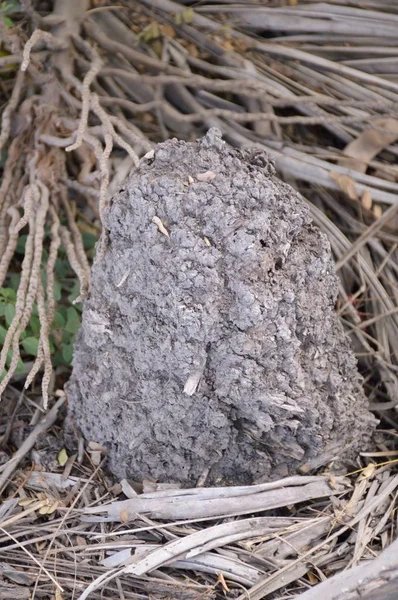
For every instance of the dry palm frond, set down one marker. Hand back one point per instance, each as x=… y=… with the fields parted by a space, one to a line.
x=150 y=542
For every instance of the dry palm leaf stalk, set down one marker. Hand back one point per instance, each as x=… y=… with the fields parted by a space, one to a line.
x=89 y=89
x=153 y=544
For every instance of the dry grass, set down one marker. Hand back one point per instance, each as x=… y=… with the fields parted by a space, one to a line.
x=99 y=88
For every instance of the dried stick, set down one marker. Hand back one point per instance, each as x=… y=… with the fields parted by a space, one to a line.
x=386 y=217
x=235 y=116
x=371 y=574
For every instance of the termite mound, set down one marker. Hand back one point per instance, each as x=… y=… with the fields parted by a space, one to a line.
x=209 y=340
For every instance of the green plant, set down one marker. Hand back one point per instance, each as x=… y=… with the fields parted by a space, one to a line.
x=67 y=316
x=8 y=8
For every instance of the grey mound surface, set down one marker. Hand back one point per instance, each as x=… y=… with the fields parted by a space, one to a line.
x=209 y=340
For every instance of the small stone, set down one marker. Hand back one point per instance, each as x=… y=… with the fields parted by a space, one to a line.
x=149 y=155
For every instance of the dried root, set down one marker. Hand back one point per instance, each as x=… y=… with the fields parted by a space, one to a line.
x=47 y=161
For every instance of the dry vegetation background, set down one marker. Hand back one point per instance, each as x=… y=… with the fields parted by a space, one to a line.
x=87 y=88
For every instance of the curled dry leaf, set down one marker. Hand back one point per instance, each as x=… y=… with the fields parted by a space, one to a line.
x=369 y=143
x=366 y=200
x=49 y=509
x=24 y=502
x=346 y=183
x=80 y=541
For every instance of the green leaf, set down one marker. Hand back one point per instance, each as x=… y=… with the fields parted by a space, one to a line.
x=20 y=249
x=10 y=7
x=57 y=291
x=64 y=312
x=21 y=368
x=57 y=359
x=9 y=313
x=74 y=292
x=61 y=268
x=3 y=158
x=8 y=22
x=67 y=353
x=89 y=241
x=59 y=321
x=14 y=280
x=34 y=325
x=8 y=294
x=30 y=345
x=73 y=320
x=3 y=333
x=67 y=337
